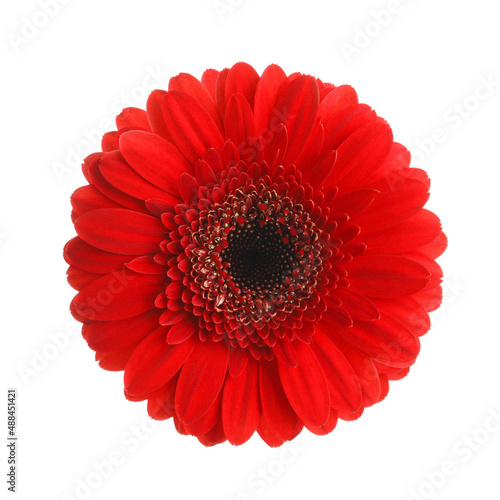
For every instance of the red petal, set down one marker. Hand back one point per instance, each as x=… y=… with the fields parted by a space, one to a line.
x=145 y=265
x=408 y=312
x=350 y=417
x=204 y=173
x=201 y=379
x=214 y=436
x=121 y=231
x=192 y=129
x=240 y=127
x=268 y=435
x=386 y=276
x=285 y=353
x=354 y=202
x=209 y=81
x=179 y=426
x=328 y=427
x=207 y=422
x=116 y=335
x=431 y=265
x=275 y=146
x=361 y=155
x=171 y=317
x=109 y=141
x=118 y=295
x=133 y=117
x=90 y=160
x=296 y=107
x=187 y=186
x=358 y=306
x=345 y=391
x=345 y=123
x=88 y=198
x=322 y=167
x=155 y=362
x=306 y=387
x=229 y=154
x=384 y=386
x=188 y=84
x=155 y=159
x=180 y=332
x=161 y=402
x=220 y=91
x=337 y=99
x=238 y=359
x=392 y=206
x=399 y=374
x=308 y=157
x=155 y=114
x=213 y=159
x=242 y=79
x=384 y=340
x=111 y=192
x=436 y=247
x=241 y=404
x=276 y=408
x=363 y=366
x=78 y=278
x=416 y=231
x=118 y=173
x=266 y=94
x=92 y=259
x=114 y=361
x=430 y=300
x=399 y=158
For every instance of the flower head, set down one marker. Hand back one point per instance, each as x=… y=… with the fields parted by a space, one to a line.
x=253 y=251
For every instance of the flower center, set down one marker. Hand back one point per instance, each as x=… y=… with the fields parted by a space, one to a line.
x=255 y=256
x=258 y=256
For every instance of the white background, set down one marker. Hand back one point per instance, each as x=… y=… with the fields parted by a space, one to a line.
x=420 y=67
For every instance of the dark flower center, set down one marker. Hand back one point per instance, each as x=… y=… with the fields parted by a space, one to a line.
x=259 y=257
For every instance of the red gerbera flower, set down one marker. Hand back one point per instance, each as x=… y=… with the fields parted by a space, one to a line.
x=254 y=253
